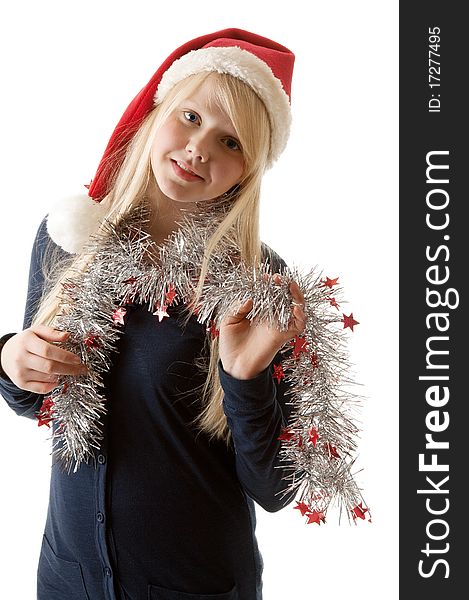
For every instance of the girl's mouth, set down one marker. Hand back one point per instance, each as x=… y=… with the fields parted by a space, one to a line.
x=183 y=174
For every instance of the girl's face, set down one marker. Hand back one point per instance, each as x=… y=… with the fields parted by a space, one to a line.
x=195 y=154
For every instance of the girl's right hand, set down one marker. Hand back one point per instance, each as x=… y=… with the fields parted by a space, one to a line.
x=34 y=363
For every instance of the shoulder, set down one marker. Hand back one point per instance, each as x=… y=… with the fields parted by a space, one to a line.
x=45 y=250
x=72 y=220
x=276 y=262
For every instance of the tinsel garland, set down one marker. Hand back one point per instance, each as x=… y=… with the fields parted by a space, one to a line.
x=129 y=268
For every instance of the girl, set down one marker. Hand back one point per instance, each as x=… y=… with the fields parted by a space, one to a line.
x=165 y=511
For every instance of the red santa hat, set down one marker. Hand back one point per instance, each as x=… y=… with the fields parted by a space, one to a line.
x=261 y=63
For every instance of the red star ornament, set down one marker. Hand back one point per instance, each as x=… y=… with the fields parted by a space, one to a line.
x=313 y=435
x=44 y=415
x=332 y=450
x=299 y=346
x=359 y=511
x=279 y=373
x=349 y=321
x=302 y=507
x=315 y=360
x=170 y=294
x=47 y=405
x=92 y=341
x=161 y=312
x=316 y=517
x=329 y=282
x=286 y=434
x=43 y=420
x=333 y=302
x=118 y=315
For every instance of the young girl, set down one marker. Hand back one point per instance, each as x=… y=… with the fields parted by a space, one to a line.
x=165 y=508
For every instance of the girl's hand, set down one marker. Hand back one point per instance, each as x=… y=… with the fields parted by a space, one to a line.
x=34 y=363
x=247 y=350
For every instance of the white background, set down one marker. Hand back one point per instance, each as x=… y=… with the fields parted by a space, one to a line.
x=68 y=73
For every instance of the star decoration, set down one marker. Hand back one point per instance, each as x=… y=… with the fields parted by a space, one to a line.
x=170 y=294
x=316 y=517
x=299 y=345
x=161 y=312
x=333 y=302
x=44 y=416
x=118 y=315
x=302 y=507
x=43 y=420
x=330 y=282
x=359 y=511
x=92 y=341
x=332 y=450
x=286 y=434
x=313 y=435
x=212 y=329
x=279 y=373
x=349 y=321
x=315 y=360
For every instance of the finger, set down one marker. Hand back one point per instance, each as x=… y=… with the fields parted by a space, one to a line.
x=240 y=314
x=298 y=320
x=39 y=387
x=297 y=294
x=39 y=347
x=52 y=367
x=276 y=277
x=49 y=334
x=37 y=376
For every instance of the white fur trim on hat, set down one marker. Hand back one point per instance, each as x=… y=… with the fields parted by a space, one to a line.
x=245 y=66
x=72 y=220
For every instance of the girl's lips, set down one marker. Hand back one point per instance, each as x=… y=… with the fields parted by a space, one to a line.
x=184 y=174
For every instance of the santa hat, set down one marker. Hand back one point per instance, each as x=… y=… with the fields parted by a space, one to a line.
x=261 y=63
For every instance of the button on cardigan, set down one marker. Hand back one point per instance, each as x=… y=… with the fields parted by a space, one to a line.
x=163 y=512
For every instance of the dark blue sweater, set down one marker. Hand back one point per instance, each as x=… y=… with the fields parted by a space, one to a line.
x=163 y=513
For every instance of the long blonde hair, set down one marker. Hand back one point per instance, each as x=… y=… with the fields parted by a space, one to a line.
x=129 y=183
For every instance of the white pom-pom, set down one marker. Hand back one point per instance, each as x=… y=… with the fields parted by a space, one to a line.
x=72 y=220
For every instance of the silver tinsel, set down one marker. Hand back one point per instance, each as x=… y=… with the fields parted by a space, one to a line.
x=317 y=447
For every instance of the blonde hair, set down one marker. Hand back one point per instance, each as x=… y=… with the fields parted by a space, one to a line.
x=129 y=183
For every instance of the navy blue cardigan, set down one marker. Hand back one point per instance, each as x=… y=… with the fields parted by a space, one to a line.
x=163 y=513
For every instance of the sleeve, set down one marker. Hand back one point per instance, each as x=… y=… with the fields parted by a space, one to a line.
x=256 y=410
x=22 y=402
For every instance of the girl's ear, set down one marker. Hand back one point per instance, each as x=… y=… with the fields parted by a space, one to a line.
x=72 y=220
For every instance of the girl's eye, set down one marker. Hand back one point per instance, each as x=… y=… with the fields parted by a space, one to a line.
x=232 y=144
x=190 y=116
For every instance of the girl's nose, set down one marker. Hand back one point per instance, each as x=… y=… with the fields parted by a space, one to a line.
x=198 y=147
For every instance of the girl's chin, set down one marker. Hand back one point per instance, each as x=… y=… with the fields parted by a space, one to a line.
x=183 y=198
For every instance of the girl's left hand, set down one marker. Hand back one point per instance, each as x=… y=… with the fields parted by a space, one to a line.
x=247 y=350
